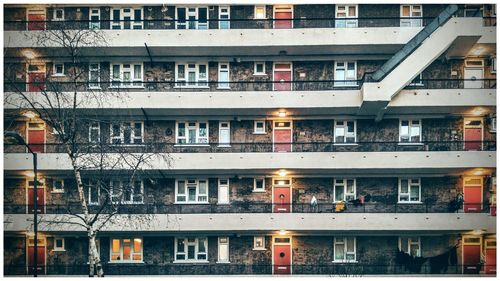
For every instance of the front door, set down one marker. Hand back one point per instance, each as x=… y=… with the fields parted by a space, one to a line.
x=473 y=78
x=40 y=256
x=473 y=134
x=471 y=254
x=223 y=193
x=473 y=194
x=36 y=136
x=36 y=77
x=40 y=198
x=283 y=16
x=282 y=197
x=282 y=255
x=490 y=256
x=282 y=136
x=36 y=19
x=282 y=77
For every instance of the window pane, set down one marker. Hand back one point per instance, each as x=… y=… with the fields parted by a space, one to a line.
x=339 y=193
x=181 y=71
x=137 y=72
x=192 y=194
x=181 y=187
x=190 y=253
x=339 y=251
x=414 y=195
x=203 y=187
x=137 y=245
x=404 y=186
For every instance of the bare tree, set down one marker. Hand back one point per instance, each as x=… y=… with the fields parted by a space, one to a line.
x=69 y=106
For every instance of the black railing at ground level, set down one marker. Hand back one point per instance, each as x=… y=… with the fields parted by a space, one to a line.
x=212 y=268
x=354 y=206
x=453 y=84
x=236 y=147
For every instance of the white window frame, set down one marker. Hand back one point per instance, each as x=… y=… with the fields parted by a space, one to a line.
x=132 y=253
x=223 y=67
x=93 y=184
x=191 y=183
x=347 y=21
x=412 y=241
x=263 y=7
x=228 y=128
x=97 y=128
x=98 y=69
x=94 y=24
x=185 y=250
x=57 y=190
x=54 y=69
x=199 y=140
x=261 y=73
x=119 y=82
x=343 y=241
x=412 y=182
x=419 y=79
x=410 y=21
x=347 y=81
x=493 y=65
x=343 y=184
x=221 y=242
x=196 y=14
x=346 y=133
x=259 y=248
x=257 y=132
x=121 y=136
x=256 y=188
x=199 y=82
x=493 y=125
x=410 y=126
x=59 y=249
x=129 y=201
x=121 y=23
x=228 y=14
x=54 y=14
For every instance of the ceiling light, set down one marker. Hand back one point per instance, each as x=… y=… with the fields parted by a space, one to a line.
x=282 y=173
x=30 y=114
x=282 y=114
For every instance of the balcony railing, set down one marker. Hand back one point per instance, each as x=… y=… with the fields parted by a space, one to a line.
x=169 y=268
x=235 y=147
x=453 y=84
x=256 y=207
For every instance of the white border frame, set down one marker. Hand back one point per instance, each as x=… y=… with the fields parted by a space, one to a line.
x=284 y=128
x=409 y=179
x=273 y=243
x=283 y=70
x=121 y=249
x=482 y=129
x=285 y=9
x=290 y=204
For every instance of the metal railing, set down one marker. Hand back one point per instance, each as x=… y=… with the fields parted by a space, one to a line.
x=453 y=84
x=235 y=147
x=236 y=207
x=212 y=268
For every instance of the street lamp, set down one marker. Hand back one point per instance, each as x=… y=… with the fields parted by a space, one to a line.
x=16 y=138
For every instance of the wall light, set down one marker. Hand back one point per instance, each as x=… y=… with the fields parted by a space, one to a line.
x=282 y=173
x=478 y=111
x=29 y=174
x=282 y=114
x=478 y=172
x=477 y=232
x=30 y=114
x=29 y=54
x=283 y=232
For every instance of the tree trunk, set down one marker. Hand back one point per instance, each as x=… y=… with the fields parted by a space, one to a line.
x=94 y=257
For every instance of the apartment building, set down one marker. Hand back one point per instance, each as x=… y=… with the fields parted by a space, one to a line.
x=303 y=139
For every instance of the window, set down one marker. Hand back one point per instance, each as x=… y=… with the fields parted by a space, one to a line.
x=346 y=16
x=58 y=14
x=409 y=131
x=191 y=75
x=127 y=193
x=493 y=127
x=126 y=75
x=94 y=192
x=417 y=81
x=344 y=131
x=58 y=69
x=126 y=250
x=344 y=249
x=57 y=186
x=259 y=68
x=493 y=65
x=224 y=134
x=191 y=249
x=223 y=76
x=95 y=18
x=259 y=242
x=345 y=74
x=259 y=127
x=192 y=133
x=223 y=250
x=409 y=190
x=411 y=16
x=58 y=244
x=259 y=185
x=127 y=133
x=94 y=76
x=126 y=18
x=344 y=190
x=260 y=12
x=191 y=191
x=95 y=132
x=192 y=18
x=410 y=245
x=224 y=22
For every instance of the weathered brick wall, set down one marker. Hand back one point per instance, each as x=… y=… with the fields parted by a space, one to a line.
x=319 y=15
x=378 y=15
x=14 y=14
x=14 y=253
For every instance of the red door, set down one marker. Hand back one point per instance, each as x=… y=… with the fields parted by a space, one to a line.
x=283 y=20
x=472 y=198
x=40 y=256
x=36 y=21
x=40 y=200
x=471 y=258
x=472 y=138
x=282 y=77
x=36 y=140
x=490 y=257
x=282 y=199
x=282 y=259
x=282 y=140
x=36 y=82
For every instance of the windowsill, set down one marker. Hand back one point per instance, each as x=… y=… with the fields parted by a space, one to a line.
x=58 y=75
x=191 y=87
x=410 y=143
x=223 y=88
x=57 y=191
x=259 y=249
x=126 y=87
x=191 y=203
x=406 y=202
x=59 y=250
x=259 y=133
x=223 y=145
x=223 y=262
x=189 y=261
x=191 y=144
x=127 y=144
x=258 y=191
x=344 y=261
x=260 y=74
x=349 y=85
x=224 y=204
x=493 y=132
x=120 y=262
x=94 y=88
x=132 y=203
x=346 y=144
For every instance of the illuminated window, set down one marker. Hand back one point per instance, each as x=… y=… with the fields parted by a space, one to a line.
x=126 y=250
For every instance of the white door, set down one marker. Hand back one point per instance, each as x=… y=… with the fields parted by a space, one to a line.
x=223 y=197
x=223 y=249
x=224 y=134
x=473 y=78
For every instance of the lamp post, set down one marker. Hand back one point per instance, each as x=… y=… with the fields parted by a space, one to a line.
x=18 y=139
